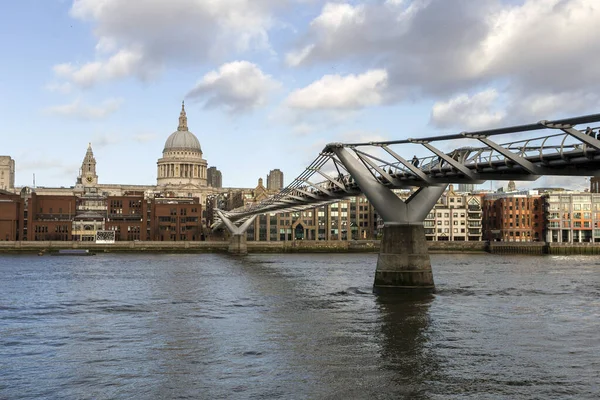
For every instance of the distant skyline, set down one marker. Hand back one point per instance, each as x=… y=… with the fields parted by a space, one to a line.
x=267 y=83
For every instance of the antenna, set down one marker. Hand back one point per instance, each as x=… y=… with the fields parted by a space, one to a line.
x=34 y=180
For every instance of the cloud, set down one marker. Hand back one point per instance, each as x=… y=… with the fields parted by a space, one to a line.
x=446 y=47
x=468 y=112
x=237 y=86
x=489 y=108
x=348 y=92
x=64 y=88
x=119 y=65
x=140 y=38
x=42 y=166
x=77 y=109
x=104 y=139
x=537 y=106
x=145 y=137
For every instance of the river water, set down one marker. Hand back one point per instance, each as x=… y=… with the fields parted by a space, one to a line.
x=212 y=326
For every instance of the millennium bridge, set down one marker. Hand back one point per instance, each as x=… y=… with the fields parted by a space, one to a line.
x=521 y=153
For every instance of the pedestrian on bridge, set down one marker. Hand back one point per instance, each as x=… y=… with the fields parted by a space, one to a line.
x=415 y=161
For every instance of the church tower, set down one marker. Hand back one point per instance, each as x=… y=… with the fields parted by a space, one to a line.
x=88 y=169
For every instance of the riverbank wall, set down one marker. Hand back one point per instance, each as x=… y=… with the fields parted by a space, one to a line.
x=539 y=248
x=298 y=246
x=301 y=246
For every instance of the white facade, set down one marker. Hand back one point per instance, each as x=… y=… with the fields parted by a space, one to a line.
x=456 y=217
x=573 y=217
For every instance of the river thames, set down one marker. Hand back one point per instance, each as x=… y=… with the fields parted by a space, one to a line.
x=281 y=326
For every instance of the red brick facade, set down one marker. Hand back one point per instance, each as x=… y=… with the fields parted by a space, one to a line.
x=131 y=217
x=513 y=219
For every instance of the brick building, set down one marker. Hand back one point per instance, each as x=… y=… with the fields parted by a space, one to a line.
x=176 y=219
x=11 y=216
x=129 y=217
x=514 y=217
x=134 y=216
x=49 y=217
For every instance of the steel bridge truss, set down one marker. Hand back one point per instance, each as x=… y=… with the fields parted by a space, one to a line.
x=522 y=153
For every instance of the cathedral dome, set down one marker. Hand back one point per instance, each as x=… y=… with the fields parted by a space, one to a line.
x=182 y=138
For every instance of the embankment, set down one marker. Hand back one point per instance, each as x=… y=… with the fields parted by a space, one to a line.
x=298 y=246
x=301 y=246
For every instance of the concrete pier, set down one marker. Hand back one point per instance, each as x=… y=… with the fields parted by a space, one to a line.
x=403 y=264
x=238 y=245
x=237 y=242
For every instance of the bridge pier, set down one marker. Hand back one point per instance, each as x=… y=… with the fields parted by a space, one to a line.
x=403 y=264
x=237 y=242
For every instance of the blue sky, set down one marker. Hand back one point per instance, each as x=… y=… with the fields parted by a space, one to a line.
x=268 y=83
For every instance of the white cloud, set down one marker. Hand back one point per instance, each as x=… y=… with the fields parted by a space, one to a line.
x=104 y=139
x=140 y=38
x=145 y=137
x=446 y=47
x=348 y=92
x=537 y=106
x=488 y=108
x=64 y=88
x=77 y=109
x=237 y=86
x=295 y=58
x=468 y=112
x=119 y=65
x=38 y=163
x=336 y=15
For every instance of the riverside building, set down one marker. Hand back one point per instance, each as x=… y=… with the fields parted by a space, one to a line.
x=455 y=217
x=573 y=217
x=513 y=216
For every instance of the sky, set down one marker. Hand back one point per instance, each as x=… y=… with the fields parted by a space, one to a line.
x=267 y=83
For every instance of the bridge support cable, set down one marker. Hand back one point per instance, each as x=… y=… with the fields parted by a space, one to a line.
x=237 y=242
x=446 y=158
x=525 y=164
x=409 y=165
x=403 y=263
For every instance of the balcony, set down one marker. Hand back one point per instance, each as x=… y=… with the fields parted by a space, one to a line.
x=54 y=217
x=474 y=215
x=81 y=232
x=124 y=217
